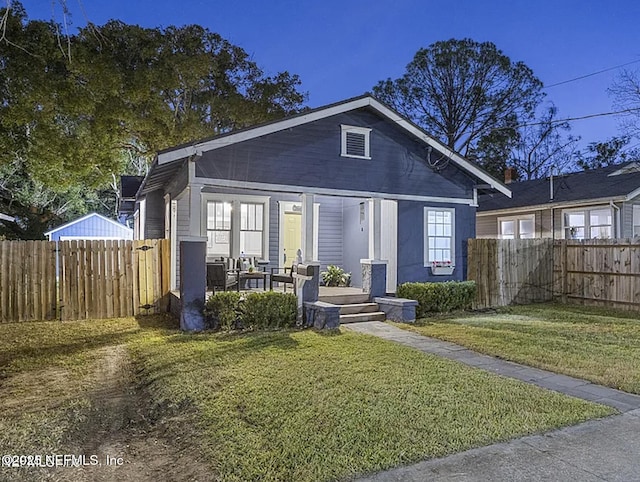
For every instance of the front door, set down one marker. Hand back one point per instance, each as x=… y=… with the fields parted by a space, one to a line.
x=292 y=241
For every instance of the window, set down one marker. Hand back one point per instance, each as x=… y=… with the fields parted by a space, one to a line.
x=636 y=220
x=251 y=215
x=236 y=224
x=588 y=224
x=439 y=235
x=355 y=142
x=218 y=229
x=517 y=227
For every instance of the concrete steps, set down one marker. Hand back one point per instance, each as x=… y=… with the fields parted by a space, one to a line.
x=345 y=299
x=355 y=307
x=358 y=317
x=352 y=308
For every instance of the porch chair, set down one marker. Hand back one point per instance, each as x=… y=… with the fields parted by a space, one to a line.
x=219 y=277
x=280 y=275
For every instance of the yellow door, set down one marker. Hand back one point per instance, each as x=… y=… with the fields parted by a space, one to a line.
x=292 y=237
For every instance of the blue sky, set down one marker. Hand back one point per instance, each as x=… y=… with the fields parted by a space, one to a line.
x=341 y=48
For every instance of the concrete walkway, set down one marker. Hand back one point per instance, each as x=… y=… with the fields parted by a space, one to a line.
x=598 y=450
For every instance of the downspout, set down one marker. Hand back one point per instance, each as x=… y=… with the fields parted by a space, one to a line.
x=617 y=219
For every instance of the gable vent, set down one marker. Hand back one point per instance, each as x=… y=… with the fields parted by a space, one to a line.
x=355 y=142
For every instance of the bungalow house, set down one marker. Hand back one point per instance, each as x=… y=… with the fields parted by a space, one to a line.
x=343 y=184
x=594 y=204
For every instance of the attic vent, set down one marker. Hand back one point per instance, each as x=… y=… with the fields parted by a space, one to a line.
x=355 y=142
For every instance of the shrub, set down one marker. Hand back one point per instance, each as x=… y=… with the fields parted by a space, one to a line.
x=439 y=297
x=221 y=309
x=269 y=310
x=335 y=276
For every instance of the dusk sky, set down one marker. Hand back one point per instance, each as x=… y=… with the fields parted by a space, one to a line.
x=342 y=48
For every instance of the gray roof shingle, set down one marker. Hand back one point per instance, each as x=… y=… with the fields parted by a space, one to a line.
x=576 y=186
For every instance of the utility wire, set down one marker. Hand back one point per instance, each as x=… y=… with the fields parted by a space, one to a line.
x=591 y=74
x=571 y=119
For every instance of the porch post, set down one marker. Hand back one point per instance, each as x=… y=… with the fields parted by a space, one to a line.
x=193 y=283
x=195 y=210
x=374 y=270
x=308 y=254
x=375 y=228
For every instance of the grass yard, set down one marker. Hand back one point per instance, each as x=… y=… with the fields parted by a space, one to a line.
x=602 y=346
x=289 y=405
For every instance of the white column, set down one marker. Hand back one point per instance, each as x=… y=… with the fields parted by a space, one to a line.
x=308 y=254
x=235 y=229
x=375 y=228
x=195 y=210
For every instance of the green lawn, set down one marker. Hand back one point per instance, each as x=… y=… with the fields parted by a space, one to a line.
x=289 y=405
x=599 y=345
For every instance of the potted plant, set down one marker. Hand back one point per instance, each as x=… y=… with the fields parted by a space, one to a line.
x=335 y=276
x=440 y=268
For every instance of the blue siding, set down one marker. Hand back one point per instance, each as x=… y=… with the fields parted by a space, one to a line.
x=411 y=241
x=94 y=226
x=309 y=155
x=330 y=232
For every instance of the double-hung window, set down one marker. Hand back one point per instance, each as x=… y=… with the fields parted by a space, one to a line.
x=439 y=236
x=236 y=225
x=251 y=225
x=521 y=227
x=218 y=229
x=636 y=220
x=588 y=223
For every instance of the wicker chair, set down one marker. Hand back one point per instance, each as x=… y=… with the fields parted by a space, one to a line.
x=219 y=277
x=281 y=276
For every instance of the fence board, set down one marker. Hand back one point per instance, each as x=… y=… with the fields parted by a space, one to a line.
x=69 y=280
x=591 y=272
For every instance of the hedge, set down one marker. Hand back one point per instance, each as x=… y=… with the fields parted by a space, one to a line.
x=439 y=297
x=229 y=310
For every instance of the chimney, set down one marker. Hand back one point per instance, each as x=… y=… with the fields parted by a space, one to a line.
x=510 y=175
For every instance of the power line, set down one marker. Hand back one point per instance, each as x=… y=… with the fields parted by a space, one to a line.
x=591 y=74
x=588 y=116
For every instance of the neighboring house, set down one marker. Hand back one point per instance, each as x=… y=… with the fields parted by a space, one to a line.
x=595 y=204
x=129 y=186
x=93 y=226
x=343 y=183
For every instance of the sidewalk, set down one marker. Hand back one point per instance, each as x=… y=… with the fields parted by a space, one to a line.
x=598 y=450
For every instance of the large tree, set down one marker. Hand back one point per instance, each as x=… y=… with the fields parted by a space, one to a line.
x=75 y=110
x=542 y=145
x=607 y=153
x=626 y=97
x=468 y=94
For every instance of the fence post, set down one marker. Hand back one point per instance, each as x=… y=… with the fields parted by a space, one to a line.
x=563 y=270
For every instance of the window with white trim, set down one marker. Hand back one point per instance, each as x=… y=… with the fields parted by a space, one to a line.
x=439 y=235
x=355 y=142
x=519 y=227
x=636 y=220
x=218 y=229
x=236 y=224
x=588 y=223
x=251 y=225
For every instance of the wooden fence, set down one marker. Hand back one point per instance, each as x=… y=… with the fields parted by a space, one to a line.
x=74 y=280
x=591 y=272
x=599 y=272
x=27 y=280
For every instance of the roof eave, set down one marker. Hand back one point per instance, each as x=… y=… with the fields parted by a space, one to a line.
x=197 y=148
